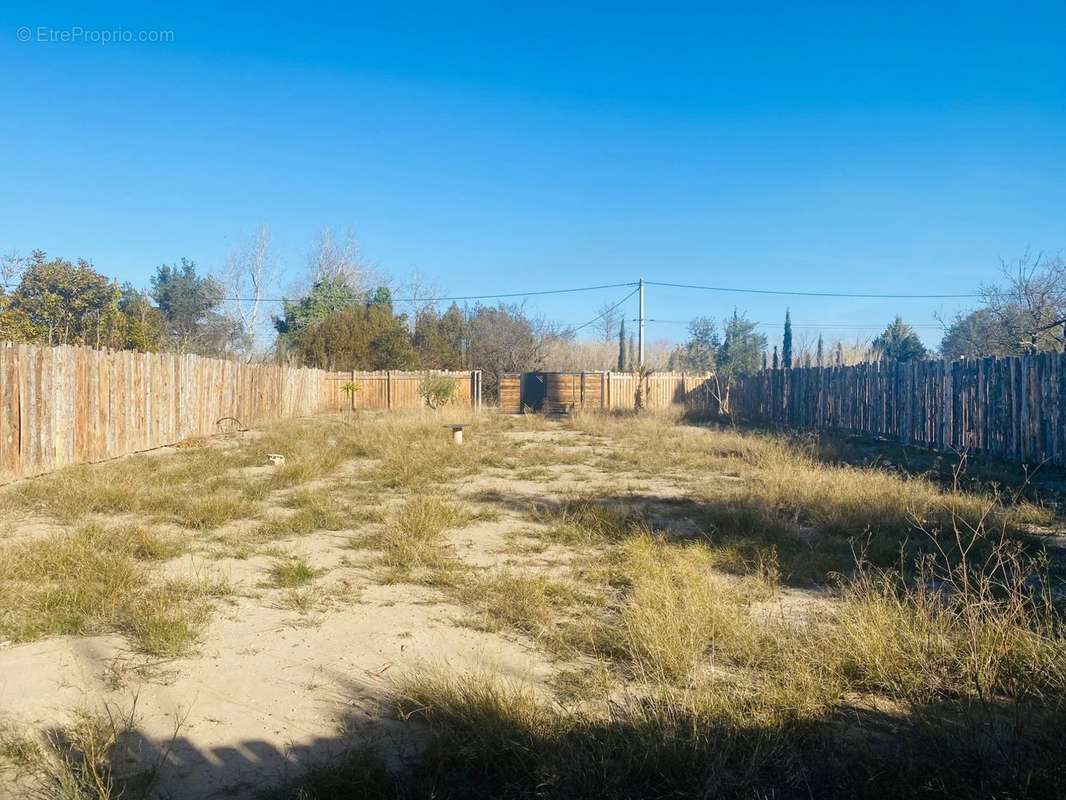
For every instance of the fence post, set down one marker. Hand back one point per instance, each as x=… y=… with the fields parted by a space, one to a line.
x=388 y=389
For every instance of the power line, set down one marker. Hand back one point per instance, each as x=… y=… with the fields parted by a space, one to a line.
x=541 y=292
x=440 y=299
x=871 y=295
x=828 y=325
x=605 y=313
x=461 y=297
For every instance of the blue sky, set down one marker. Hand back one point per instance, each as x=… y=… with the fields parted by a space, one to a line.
x=902 y=148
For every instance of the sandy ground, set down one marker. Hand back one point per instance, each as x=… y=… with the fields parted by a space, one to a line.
x=271 y=689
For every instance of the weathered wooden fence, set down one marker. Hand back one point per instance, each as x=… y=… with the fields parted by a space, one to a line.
x=1011 y=408
x=392 y=390
x=563 y=391
x=71 y=405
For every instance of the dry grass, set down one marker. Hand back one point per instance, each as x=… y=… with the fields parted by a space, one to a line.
x=678 y=616
x=527 y=603
x=413 y=538
x=75 y=762
x=97 y=580
x=292 y=573
x=692 y=695
x=933 y=666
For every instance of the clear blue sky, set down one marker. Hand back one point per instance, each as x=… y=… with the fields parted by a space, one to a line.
x=508 y=146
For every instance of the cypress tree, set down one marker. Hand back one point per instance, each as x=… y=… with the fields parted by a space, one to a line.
x=764 y=359
x=820 y=354
x=622 y=346
x=631 y=354
x=786 y=344
x=775 y=356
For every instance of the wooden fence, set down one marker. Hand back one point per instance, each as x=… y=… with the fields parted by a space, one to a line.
x=397 y=390
x=72 y=405
x=563 y=391
x=1008 y=407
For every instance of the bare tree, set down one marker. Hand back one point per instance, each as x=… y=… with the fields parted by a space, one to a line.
x=249 y=271
x=1030 y=307
x=11 y=267
x=609 y=319
x=803 y=348
x=503 y=338
x=333 y=257
x=422 y=292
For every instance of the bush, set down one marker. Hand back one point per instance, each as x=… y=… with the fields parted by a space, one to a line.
x=438 y=390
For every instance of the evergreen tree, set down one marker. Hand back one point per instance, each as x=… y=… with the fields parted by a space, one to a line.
x=701 y=349
x=820 y=353
x=775 y=357
x=631 y=354
x=786 y=344
x=764 y=359
x=741 y=345
x=622 y=346
x=899 y=342
x=439 y=338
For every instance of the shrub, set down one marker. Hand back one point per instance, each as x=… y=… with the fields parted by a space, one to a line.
x=438 y=390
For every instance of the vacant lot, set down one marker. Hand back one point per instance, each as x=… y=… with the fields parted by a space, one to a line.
x=603 y=607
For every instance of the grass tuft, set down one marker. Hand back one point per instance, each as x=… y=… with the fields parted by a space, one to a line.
x=292 y=573
x=95 y=580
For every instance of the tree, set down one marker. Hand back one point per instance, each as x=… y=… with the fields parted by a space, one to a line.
x=11 y=266
x=191 y=307
x=15 y=324
x=65 y=303
x=365 y=337
x=975 y=335
x=741 y=349
x=59 y=302
x=775 y=364
x=631 y=354
x=144 y=326
x=608 y=322
x=249 y=270
x=438 y=339
x=899 y=342
x=622 y=346
x=1029 y=309
x=326 y=296
x=786 y=343
x=503 y=338
x=331 y=258
x=700 y=352
x=819 y=355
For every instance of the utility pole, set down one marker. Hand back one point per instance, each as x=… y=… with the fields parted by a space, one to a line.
x=640 y=335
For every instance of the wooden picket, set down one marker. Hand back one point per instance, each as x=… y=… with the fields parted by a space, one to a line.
x=394 y=390
x=71 y=405
x=1010 y=408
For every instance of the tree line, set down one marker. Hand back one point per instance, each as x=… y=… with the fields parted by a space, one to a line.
x=342 y=316
x=1023 y=313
